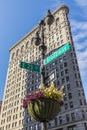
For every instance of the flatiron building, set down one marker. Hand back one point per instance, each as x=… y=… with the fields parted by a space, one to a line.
x=63 y=71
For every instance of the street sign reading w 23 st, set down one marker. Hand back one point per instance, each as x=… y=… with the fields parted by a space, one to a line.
x=29 y=66
x=57 y=53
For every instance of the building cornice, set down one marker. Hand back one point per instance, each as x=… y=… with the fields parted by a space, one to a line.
x=29 y=33
x=35 y=28
x=61 y=7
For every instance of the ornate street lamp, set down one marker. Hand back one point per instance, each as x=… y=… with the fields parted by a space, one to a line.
x=39 y=40
x=43 y=104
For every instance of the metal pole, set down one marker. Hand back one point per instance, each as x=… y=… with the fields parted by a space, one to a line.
x=43 y=126
x=42 y=49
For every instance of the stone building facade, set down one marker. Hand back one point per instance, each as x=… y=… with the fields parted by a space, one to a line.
x=63 y=71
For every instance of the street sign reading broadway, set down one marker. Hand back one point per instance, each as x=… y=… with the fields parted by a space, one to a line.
x=30 y=66
x=57 y=53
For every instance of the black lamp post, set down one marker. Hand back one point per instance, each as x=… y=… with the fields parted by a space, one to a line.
x=39 y=41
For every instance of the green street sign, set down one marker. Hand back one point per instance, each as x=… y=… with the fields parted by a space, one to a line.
x=57 y=53
x=29 y=66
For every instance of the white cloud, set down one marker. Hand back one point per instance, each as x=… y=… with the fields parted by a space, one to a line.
x=80 y=25
x=82 y=59
x=80 y=35
x=81 y=2
x=80 y=45
x=79 y=31
x=83 y=7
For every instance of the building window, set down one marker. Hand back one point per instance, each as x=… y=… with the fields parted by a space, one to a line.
x=60 y=36
x=57 y=38
x=49 y=124
x=17 y=53
x=68 y=38
x=65 y=64
x=79 y=93
x=83 y=114
x=61 y=66
x=57 y=21
x=64 y=58
x=67 y=118
x=57 y=74
x=60 y=30
x=22 y=48
x=84 y=101
x=56 y=121
x=27 y=120
x=12 y=124
x=71 y=104
x=30 y=127
x=36 y=126
x=66 y=71
x=67 y=79
x=19 y=122
x=68 y=87
x=58 y=43
x=66 y=106
x=27 y=44
x=13 y=55
x=80 y=102
x=72 y=128
x=60 y=120
x=73 y=116
x=61 y=41
x=85 y=124
x=62 y=73
x=70 y=95
x=76 y=76
x=77 y=84
x=63 y=80
x=74 y=67
x=65 y=98
x=58 y=83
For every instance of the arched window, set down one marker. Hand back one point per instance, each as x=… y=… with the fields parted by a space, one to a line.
x=27 y=44
x=13 y=55
x=57 y=21
x=17 y=53
x=22 y=48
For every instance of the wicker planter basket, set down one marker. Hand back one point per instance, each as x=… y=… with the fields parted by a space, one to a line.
x=43 y=109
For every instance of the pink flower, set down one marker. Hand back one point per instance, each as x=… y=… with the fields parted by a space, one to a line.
x=33 y=96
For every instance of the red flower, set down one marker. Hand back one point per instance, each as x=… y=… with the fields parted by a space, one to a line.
x=33 y=96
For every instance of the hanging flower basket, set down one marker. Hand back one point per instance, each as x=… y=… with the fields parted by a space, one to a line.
x=44 y=104
x=44 y=109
